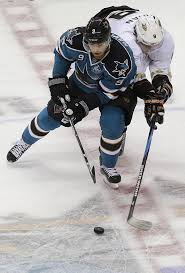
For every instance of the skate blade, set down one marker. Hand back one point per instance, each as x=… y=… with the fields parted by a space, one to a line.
x=114 y=186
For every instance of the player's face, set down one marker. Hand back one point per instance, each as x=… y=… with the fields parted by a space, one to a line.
x=98 y=50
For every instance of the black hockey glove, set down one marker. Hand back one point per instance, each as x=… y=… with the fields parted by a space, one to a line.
x=163 y=87
x=78 y=108
x=145 y=90
x=75 y=110
x=59 y=89
x=154 y=111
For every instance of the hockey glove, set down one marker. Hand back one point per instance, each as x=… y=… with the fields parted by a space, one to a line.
x=143 y=88
x=76 y=110
x=154 y=111
x=59 y=89
x=163 y=87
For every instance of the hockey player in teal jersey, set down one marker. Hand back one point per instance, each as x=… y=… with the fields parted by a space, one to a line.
x=103 y=75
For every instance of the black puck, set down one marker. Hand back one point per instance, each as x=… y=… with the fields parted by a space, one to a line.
x=99 y=230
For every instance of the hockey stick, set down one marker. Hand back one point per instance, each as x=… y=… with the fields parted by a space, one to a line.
x=91 y=171
x=137 y=223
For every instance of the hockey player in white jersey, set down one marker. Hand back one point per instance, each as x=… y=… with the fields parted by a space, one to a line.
x=152 y=46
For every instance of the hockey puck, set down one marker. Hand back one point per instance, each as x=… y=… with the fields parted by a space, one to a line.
x=99 y=230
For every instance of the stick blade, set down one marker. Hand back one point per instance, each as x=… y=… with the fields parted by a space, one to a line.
x=140 y=224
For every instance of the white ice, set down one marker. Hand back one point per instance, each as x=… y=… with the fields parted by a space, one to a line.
x=48 y=203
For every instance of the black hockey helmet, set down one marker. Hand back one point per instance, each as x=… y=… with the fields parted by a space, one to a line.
x=97 y=30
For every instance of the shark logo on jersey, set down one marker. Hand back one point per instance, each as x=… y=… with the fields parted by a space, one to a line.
x=71 y=34
x=121 y=68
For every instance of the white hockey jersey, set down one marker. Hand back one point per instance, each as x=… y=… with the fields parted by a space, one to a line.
x=157 y=58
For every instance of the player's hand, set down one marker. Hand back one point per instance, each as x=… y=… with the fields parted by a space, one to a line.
x=76 y=110
x=164 y=91
x=163 y=86
x=154 y=110
x=59 y=89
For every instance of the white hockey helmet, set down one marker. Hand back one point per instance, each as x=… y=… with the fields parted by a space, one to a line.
x=149 y=30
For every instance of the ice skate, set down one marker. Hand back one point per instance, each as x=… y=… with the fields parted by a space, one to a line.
x=17 y=150
x=111 y=177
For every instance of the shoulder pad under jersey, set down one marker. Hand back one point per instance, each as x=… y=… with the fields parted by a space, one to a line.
x=120 y=61
x=73 y=38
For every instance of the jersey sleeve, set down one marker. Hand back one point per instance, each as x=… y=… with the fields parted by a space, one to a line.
x=162 y=57
x=66 y=52
x=139 y=57
x=111 y=87
x=61 y=66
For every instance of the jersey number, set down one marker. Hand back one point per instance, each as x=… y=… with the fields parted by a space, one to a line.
x=121 y=14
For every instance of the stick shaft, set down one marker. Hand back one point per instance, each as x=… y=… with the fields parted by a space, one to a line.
x=92 y=172
x=141 y=172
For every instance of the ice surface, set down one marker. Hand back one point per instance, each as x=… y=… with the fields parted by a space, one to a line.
x=48 y=203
